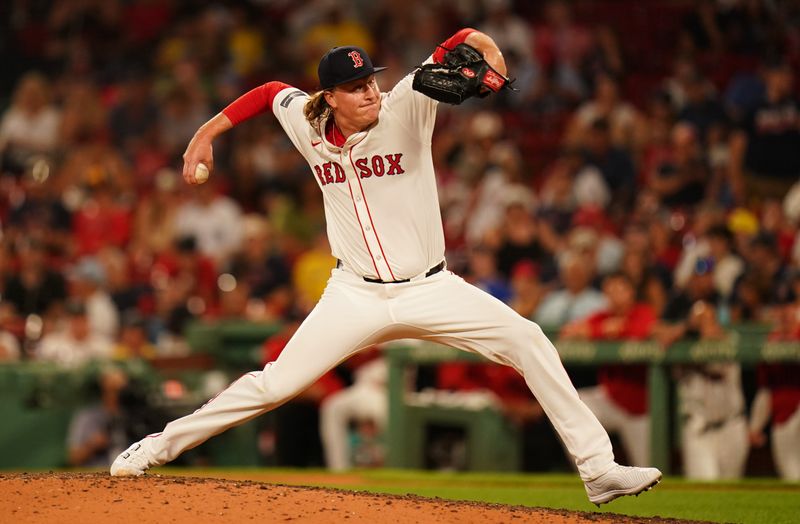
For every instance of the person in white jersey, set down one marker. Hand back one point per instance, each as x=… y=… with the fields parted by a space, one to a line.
x=370 y=153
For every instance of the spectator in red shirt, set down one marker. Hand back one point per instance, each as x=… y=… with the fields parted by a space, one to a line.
x=101 y=221
x=620 y=399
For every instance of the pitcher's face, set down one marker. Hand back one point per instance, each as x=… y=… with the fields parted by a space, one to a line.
x=357 y=102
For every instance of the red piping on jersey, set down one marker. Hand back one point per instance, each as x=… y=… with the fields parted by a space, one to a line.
x=337 y=139
x=369 y=214
x=254 y=102
x=371 y=257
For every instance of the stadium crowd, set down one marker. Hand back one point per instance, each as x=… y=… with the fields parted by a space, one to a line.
x=643 y=182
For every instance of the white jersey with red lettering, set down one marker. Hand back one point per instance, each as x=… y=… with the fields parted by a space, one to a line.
x=379 y=188
x=384 y=223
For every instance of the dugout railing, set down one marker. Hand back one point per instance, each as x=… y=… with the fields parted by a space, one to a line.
x=746 y=344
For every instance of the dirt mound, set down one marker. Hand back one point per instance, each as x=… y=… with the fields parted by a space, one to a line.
x=97 y=497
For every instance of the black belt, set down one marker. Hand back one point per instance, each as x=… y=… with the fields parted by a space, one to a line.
x=715 y=425
x=432 y=271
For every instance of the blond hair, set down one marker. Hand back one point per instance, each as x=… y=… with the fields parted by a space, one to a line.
x=317 y=109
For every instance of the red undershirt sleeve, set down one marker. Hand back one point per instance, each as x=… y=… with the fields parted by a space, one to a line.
x=450 y=43
x=254 y=102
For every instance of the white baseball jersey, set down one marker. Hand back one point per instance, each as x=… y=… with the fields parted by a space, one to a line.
x=379 y=189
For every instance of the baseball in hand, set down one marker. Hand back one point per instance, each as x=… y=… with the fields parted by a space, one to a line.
x=201 y=173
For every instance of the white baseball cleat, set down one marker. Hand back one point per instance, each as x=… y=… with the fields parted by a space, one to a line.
x=132 y=462
x=619 y=481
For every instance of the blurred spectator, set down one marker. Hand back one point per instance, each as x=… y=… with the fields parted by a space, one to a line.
x=97 y=433
x=570 y=183
x=37 y=211
x=247 y=48
x=482 y=273
x=523 y=237
x=93 y=163
x=234 y=302
x=575 y=299
x=646 y=278
x=135 y=112
x=309 y=276
x=680 y=179
x=758 y=289
x=656 y=141
x=676 y=85
x=762 y=160
x=87 y=284
x=715 y=244
x=702 y=111
x=185 y=282
x=511 y=32
x=125 y=291
x=9 y=347
x=526 y=290
x=154 y=219
x=691 y=312
x=775 y=223
x=30 y=126
x=621 y=120
x=614 y=163
x=593 y=233
x=791 y=205
x=744 y=225
x=74 y=344
x=498 y=187
x=184 y=107
x=562 y=45
x=727 y=265
x=620 y=400
x=84 y=118
x=213 y=219
x=259 y=264
x=132 y=342
x=335 y=27
x=34 y=289
x=364 y=403
x=263 y=160
x=101 y=220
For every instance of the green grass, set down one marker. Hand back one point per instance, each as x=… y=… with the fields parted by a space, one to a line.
x=761 y=501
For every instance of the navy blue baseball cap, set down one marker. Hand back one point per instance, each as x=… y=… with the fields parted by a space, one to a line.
x=343 y=64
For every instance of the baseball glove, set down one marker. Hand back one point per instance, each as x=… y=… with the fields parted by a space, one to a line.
x=463 y=74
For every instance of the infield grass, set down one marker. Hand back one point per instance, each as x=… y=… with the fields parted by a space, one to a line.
x=753 y=501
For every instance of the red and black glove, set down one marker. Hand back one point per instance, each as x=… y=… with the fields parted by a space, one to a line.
x=463 y=74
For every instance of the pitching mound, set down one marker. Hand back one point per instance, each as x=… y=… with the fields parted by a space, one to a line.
x=97 y=497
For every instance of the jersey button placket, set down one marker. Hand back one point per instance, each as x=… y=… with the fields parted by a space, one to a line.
x=363 y=214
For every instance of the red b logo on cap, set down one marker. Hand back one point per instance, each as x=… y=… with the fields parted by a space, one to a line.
x=357 y=60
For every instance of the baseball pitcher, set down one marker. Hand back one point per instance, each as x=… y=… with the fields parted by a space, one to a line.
x=370 y=153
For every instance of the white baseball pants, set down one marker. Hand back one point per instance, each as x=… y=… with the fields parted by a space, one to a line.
x=353 y=314
x=714 y=454
x=786 y=447
x=634 y=430
x=366 y=399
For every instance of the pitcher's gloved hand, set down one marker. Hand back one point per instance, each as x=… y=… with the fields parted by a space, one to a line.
x=463 y=74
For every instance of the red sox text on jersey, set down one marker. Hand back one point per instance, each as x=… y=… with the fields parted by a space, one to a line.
x=378 y=165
